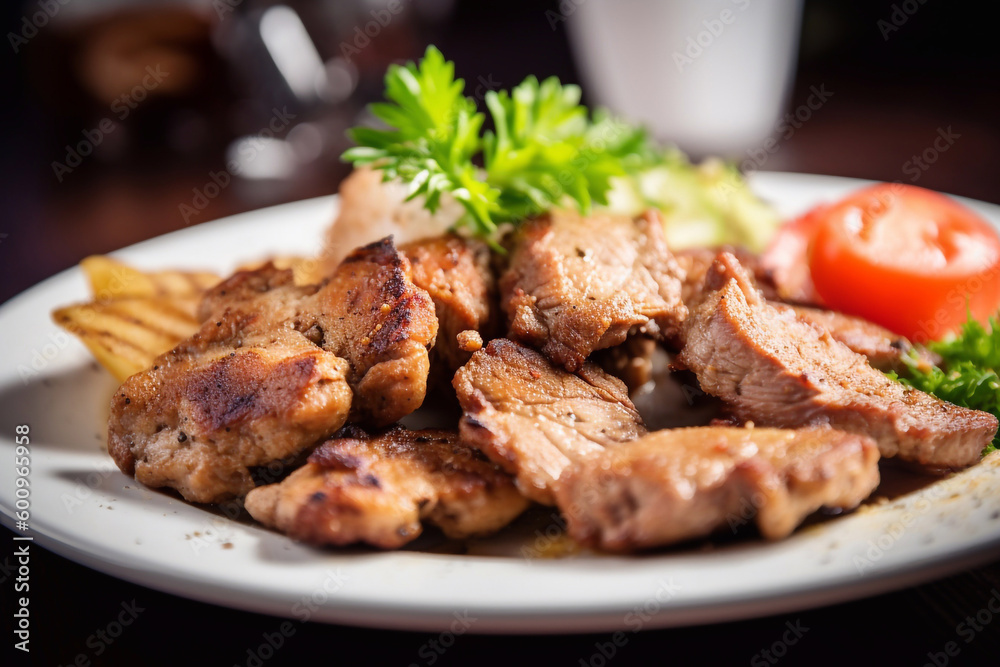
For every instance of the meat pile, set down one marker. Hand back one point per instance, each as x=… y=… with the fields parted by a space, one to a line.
x=534 y=344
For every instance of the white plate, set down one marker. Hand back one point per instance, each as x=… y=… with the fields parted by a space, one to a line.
x=84 y=509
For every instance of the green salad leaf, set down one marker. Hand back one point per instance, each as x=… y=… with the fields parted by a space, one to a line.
x=707 y=204
x=542 y=149
x=968 y=375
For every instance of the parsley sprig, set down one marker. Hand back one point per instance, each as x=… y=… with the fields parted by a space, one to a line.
x=544 y=148
x=968 y=375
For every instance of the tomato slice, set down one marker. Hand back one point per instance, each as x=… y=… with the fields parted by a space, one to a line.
x=907 y=258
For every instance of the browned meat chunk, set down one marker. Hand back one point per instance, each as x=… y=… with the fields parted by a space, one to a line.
x=576 y=285
x=775 y=370
x=378 y=488
x=246 y=390
x=371 y=314
x=884 y=349
x=243 y=290
x=679 y=484
x=368 y=312
x=535 y=419
x=456 y=273
x=469 y=341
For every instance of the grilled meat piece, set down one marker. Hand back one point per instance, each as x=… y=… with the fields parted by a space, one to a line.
x=884 y=349
x=775 y=370
x=243 y=290
x=456 y=273
x=377 y=488
x=575 y=285
x=679 y=484
x=370 y=313
x=534 y=419
x=246 y=390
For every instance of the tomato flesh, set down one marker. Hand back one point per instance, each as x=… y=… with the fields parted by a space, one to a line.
x=906 y=258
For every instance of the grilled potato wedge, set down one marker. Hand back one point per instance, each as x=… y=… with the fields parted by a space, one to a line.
x=126 y=335
x=135 y=316
x=111 y=280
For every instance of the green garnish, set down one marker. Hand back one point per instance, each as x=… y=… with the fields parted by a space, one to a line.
x=968 y=375
x=545 y=147
x=545 y=150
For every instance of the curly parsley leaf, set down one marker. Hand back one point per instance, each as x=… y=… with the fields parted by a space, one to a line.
x=544 y=151
x=974 y=344
x=968 y=375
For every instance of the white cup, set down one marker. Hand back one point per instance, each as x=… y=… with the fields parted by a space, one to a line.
x=710 y=76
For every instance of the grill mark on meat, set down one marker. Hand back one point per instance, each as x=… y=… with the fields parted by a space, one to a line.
x=382 y=251
x=233 y=389
x=395 y=328
x=396 y=286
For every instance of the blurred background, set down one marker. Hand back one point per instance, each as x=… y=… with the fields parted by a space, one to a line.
x=126 y=119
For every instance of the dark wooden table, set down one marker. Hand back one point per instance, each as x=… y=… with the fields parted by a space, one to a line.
x=869 y=128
